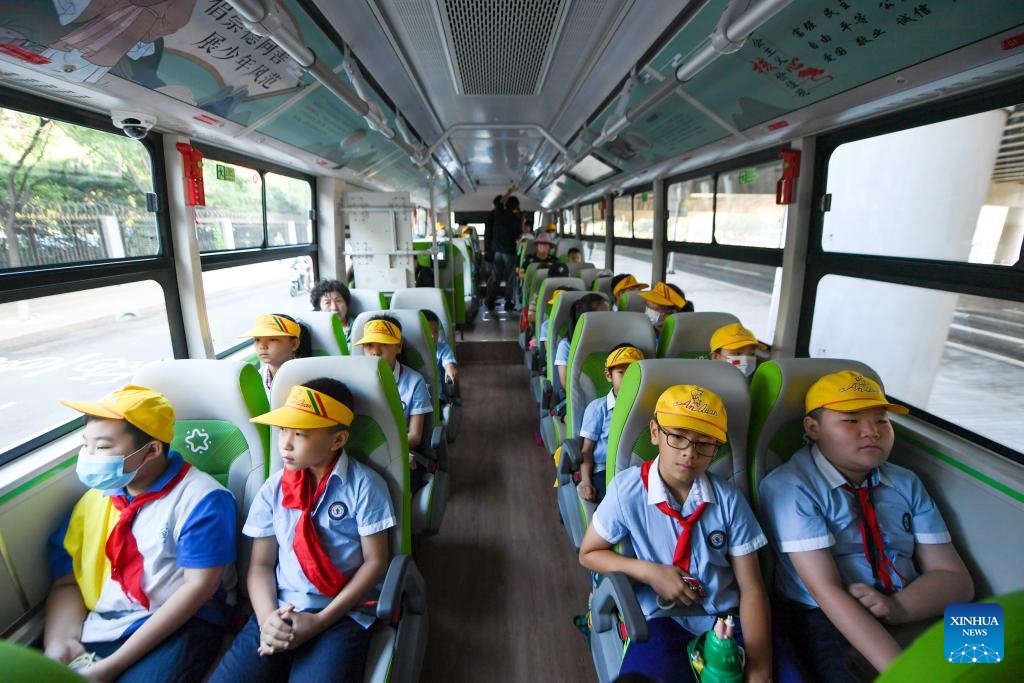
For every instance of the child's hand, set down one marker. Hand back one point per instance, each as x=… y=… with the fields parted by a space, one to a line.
x=667 y=582
x=883 y=607
x=759 y=675
x=65 y=650
x=588 y=492
x=276 y=631
x=412 y=462
x=451 y=373
x=304 y=626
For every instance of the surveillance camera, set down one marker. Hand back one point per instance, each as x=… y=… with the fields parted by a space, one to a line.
x=133 y=124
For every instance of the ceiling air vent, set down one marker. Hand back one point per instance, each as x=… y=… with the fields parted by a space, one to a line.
x=501 y=48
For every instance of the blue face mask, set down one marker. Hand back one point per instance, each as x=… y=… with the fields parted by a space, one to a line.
x=104 y=472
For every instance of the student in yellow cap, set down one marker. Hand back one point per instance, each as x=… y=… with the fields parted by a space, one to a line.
x=862 y=547
x=276 y=339
x=320 y=547
x=663 y=300
x=737 y=346
x=694 y=536
x=624 y=282
x=382 y=337
x=597 y=423
x=138 y=564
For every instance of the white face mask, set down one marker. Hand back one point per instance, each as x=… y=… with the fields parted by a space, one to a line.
x=745 y=364
x=653 y=315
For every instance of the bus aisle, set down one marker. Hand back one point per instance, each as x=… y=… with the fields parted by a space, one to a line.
x=502 y=582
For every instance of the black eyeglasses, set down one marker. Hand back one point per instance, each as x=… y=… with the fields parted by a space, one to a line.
x=705 y=449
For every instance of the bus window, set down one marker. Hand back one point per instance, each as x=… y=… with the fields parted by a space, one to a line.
x=744 y=289
x=623 y=217
x=643 y=215
x=634 y=260
x=236 y=295
x=289 y=201
x=73 y=194
x=593 y=252
x=948 y=190
x=746 y=214
x=233 y=215
x=953 y=355
x=569 y=222
x=77 y=345
x=690 y=205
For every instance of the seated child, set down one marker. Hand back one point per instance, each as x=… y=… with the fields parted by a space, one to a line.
x=662 y=301
x=694 y=536
x=597 y=422
x=545 y=247
x=574 y=255
x=737 y=346
x=382 y=338
x=138 y=565
x=585 y=304
x=276 y=339
x=861 y=545
x=623 y=283
x=333 y=296
x=447 y=366
x=320 y=548
x=556 y=269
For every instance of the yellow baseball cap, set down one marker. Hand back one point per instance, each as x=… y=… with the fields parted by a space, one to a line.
x=144 y=408
x=734 y=336
x=307 y=409
x=688 y=406
x=625 y=355
x=626 y=283
x=552 y=227
x=663 y=295
x=381 y=331
x=848 y=391
x=273 y=326
x=554 y=296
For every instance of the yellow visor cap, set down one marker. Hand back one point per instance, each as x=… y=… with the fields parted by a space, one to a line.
x=688 y=406
x=624 y=356
x=663 y=295
x=555 y=295
x=144 y=408
x=848 y=391
x=381 y=332
x=307 y=409
x=732 y=337
x=626 y=283
x=273 y=326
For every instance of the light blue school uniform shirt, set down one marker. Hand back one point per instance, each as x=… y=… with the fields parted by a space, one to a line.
x=806 y=508
x=542 y=335
x=562 y=352
x=412 y=390
x=597 y=423
x=445 y=356
x=355 y=503
x=727 y=528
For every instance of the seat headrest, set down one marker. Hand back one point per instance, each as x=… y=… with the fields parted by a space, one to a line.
x=595 y=336
x=429 y=298
x=645 y=381
x=326 y=333
x=365 y=300
x=377 y=436
x=687 y=335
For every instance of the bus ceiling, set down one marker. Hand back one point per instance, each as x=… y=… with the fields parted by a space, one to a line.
x=564 y=99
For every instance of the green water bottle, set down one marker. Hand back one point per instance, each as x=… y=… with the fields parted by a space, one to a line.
x=715 y=656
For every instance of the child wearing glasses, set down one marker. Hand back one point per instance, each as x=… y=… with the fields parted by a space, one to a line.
x=695 y=539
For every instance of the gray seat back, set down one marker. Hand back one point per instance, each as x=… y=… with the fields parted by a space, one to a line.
x=597 y=333
x=544 y=291
x=565 y=244
x=576 y=268
x=631 y=301
x=326 y=333
x=687 y=335
x=365 y=300
x=603 y=284
x=430 y=298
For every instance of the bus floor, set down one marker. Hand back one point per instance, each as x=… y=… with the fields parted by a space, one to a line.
x=502 y=581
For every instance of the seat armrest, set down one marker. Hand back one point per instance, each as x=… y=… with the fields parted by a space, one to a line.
x=403 y=590
x=572 y=458
x=547 y=394
x=615 y=594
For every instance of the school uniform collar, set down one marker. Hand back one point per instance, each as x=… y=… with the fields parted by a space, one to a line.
x=835 y=479
x=397 y=371
x=700 y=492
x=609 y=401
x=341 y=467
x=174 y=464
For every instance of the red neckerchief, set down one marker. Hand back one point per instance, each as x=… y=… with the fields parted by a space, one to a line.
x=681 y=555
x=123 y=550
x=299 y=491
x=871 y=538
